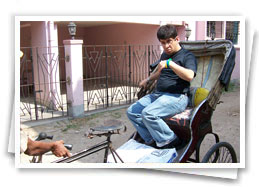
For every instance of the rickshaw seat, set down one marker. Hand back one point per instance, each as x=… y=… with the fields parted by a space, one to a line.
x=180 y=123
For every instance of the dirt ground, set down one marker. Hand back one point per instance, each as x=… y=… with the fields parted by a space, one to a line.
x=225 y=122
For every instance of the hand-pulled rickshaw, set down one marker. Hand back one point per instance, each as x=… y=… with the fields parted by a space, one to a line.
x=216 y=60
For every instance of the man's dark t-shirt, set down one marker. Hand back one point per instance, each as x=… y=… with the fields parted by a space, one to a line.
x=171 y=82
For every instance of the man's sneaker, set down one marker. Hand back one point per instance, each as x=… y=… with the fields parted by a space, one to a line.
x=152 y=144
x=174 y=144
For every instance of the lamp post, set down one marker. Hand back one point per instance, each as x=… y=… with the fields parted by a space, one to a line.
x=187 y=32
x=72 y=29
x=212 y=35
x=212 y=30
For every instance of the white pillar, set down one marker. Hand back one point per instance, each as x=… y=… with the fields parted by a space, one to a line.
x=46 y=63
x=74 y=77
x=192 y=26
x=55 y=92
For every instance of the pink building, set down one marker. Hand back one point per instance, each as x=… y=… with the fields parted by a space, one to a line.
x=49 y=33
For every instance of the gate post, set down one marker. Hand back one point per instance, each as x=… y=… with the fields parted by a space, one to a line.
x=74 y=77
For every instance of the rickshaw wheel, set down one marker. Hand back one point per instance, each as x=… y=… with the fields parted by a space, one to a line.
x=221 y=152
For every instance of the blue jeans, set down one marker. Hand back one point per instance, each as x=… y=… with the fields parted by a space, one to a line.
x=147 y=116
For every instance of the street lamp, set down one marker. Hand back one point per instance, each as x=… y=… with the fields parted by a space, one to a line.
x=72 y=29
x=187 y=32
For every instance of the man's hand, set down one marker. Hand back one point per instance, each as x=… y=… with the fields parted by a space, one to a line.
x=59 y=150
x=143 y=83
x=183 y=73
x=161 y=65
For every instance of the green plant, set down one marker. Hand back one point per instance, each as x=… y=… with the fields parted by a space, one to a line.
x=233 y=86
x=70 y=126
x=116 y=114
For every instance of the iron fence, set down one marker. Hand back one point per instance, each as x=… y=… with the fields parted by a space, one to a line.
x=42 y=87
x=111 y=75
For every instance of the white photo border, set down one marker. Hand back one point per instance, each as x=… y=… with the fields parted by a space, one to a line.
x=137 y=19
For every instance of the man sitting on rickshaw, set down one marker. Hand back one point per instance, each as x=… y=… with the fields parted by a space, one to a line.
x=175 y=70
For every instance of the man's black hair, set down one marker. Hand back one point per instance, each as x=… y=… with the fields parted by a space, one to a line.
x=166 y=31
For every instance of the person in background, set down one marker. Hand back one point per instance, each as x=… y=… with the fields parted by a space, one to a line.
x=36 y=148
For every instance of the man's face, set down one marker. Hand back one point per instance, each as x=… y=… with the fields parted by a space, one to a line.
x=170 y=45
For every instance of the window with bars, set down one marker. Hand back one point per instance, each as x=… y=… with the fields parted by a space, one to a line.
x=232 y=31
x=214 y=29
x=219 y=29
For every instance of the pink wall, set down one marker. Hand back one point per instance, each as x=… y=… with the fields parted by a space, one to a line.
x=64 y=35
x=25 y=36
x=117 y=34
x=121 y=34
x=125 y=34
x=200 y=30
x=236 y=71
x=181 y=32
